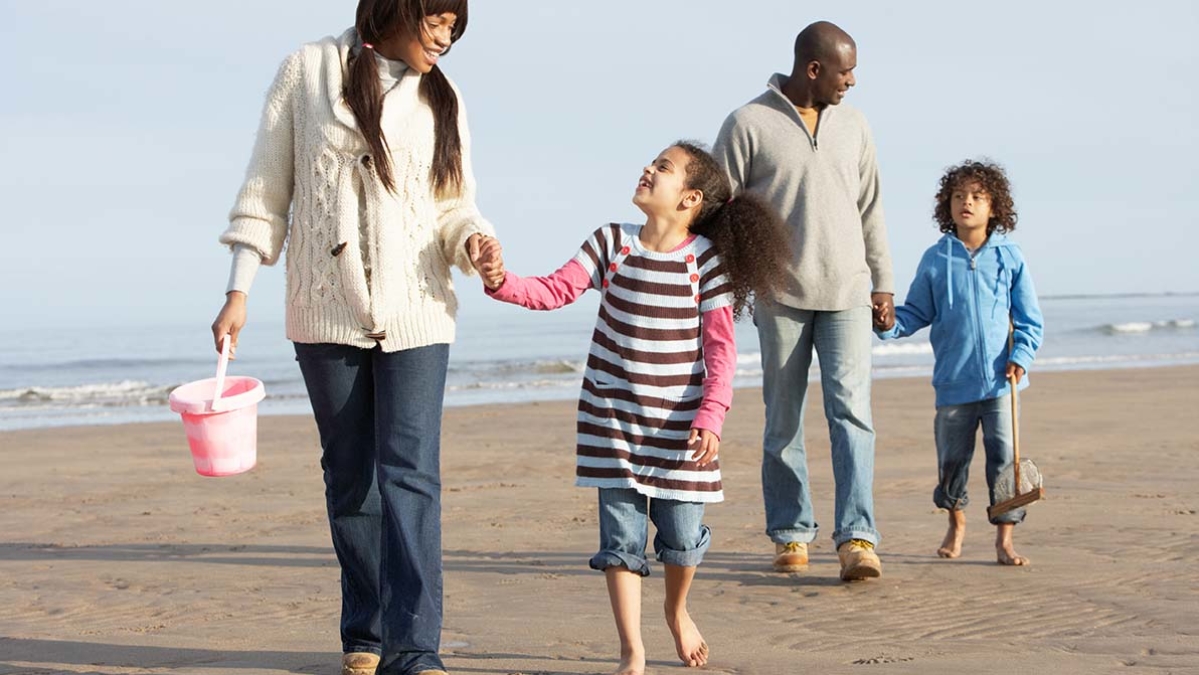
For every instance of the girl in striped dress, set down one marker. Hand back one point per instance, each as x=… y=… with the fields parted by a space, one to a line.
x=659 y=373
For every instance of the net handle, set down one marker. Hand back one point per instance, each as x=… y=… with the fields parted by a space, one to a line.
x=1011 y=343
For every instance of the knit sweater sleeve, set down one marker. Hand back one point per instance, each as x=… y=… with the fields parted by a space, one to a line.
x=458 y=216
x=259 y=217
x=874 y=230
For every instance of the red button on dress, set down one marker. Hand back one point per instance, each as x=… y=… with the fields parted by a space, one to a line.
x=690 y=258
x=694 y=278
x=605 y=283
x=697 y=297
x=624 y=251
x=612 y=267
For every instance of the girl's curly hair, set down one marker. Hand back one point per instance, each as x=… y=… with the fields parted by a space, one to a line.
x=750 y=238
x=992 y=179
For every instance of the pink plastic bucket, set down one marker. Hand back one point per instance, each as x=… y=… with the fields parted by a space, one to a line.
x=222 y=430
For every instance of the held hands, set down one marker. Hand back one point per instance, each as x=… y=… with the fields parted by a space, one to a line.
x=486 y=255
x=230 y=321
x=1015 y=371
x=884 y=310
x=706 y=444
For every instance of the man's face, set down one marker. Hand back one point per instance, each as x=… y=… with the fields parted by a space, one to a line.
x=834 y=76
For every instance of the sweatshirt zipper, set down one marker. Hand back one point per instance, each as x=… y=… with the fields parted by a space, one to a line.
x=982 y=343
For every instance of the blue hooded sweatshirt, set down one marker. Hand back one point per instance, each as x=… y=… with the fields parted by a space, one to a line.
x=967 y=300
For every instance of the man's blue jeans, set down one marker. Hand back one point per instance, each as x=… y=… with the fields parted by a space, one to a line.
x=379 y=417
x=842 y=341
x=955 y=428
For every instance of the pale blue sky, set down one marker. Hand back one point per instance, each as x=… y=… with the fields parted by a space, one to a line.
x=126 y=126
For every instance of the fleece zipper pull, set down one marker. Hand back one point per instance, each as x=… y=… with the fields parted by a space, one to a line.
x=949 y=269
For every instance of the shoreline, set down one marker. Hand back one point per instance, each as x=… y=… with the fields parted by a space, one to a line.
x=117 y=558
x=1099 y=366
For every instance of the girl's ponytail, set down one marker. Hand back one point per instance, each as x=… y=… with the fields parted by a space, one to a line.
x=447 y=148
x=753 y=246
x=749 y=236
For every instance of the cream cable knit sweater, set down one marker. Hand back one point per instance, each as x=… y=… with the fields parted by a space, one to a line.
x=310 y=185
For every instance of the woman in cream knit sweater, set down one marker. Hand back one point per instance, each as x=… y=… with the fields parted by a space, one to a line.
x=362 y=169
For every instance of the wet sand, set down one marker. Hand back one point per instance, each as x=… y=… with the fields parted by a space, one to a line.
x=115 y=557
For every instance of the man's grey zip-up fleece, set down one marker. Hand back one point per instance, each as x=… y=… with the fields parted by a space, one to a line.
x=826 y=188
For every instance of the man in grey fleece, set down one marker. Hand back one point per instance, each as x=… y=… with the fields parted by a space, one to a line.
x=815 y=161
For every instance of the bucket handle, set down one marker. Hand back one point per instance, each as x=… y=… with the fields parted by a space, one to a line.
x=222 y=365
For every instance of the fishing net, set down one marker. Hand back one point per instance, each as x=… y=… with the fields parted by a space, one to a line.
x=1030 y=479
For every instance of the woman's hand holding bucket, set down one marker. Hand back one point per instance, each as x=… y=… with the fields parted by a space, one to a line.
x=230 y=321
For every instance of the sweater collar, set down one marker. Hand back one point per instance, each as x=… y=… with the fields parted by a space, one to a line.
x=775 y=86
x=337 y=53
x=335 y=56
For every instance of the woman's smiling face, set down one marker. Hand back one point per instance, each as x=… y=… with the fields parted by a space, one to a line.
x=421 y=52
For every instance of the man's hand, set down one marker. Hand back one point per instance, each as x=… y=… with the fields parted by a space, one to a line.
x=883 y=305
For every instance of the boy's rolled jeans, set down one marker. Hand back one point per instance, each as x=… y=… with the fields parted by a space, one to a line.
x=955 y=429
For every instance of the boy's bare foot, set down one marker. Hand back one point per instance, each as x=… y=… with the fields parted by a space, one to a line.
x=632 y=662
x=1004 y=550
x=688 y=642
x=1007 y=556
x=951 y=547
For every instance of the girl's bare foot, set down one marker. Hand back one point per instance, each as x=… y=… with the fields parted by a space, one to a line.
x=951 y=547
x=1004 y=551
x=688 y=642
x=632 y=662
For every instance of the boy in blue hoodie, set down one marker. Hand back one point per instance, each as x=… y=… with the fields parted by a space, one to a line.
x=970 y=287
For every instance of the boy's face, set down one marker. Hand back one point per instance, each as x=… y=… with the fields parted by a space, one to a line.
x=970 y=206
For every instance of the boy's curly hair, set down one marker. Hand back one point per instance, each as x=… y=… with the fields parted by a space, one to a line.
x=992 y=179
x=750 y=237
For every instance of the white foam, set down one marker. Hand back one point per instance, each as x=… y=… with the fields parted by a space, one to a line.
x=903 y=349
x=125 y=392
x=1132 y=327
x=1139 y=327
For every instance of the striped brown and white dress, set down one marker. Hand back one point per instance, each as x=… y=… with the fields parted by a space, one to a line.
x=645 y=369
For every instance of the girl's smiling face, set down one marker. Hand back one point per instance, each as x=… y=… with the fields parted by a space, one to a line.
x=662 y=187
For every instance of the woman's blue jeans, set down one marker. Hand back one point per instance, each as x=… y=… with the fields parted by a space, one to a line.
x=379 y=417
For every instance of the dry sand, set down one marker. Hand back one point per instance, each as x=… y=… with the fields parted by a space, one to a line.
x=115 y=557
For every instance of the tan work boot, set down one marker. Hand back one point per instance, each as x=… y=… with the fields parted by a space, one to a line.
x=359 y=663
x=791 y=557
x=858 y=560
